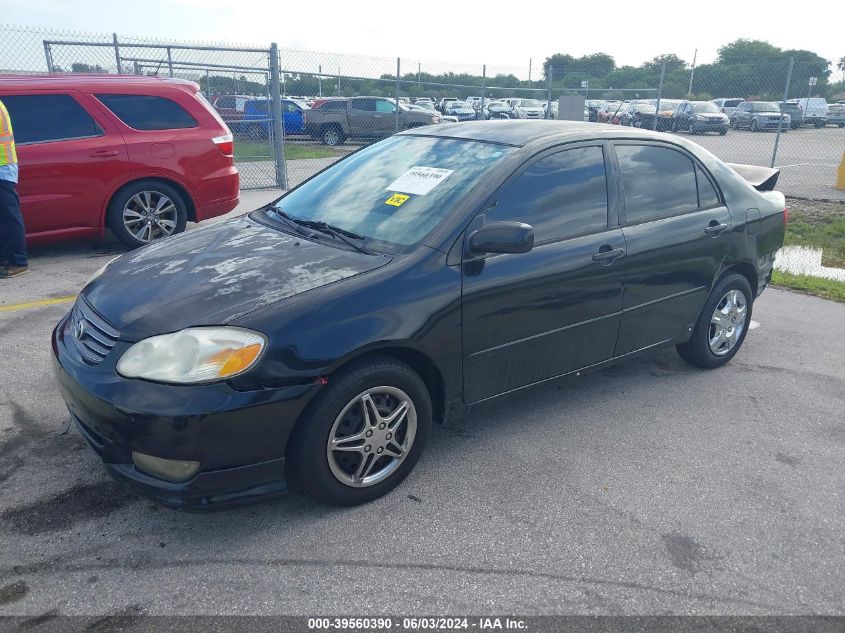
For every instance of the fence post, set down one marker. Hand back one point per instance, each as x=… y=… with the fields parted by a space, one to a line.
x=320 y=80
x=780 y=121
x=116 y=53
x=278 y=124
x=659 y=95
x=396 y=114
x=48 y=56
x=483 y=88
x=170 y=60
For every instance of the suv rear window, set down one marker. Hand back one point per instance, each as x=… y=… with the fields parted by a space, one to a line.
x=53 y=117
x=145 y=112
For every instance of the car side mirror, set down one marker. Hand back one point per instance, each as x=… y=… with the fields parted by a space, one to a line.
x=501 y=237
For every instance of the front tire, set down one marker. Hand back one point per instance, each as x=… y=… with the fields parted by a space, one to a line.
x=722 y=325
x=333 y=136
x=146 y=211
x=362 y=435
x=754 y=126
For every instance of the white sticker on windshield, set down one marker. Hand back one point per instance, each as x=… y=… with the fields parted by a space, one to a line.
x=419 y=180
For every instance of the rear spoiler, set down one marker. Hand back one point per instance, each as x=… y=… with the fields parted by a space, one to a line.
x=761 y=178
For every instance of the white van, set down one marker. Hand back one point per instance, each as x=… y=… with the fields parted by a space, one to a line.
x=815 y=110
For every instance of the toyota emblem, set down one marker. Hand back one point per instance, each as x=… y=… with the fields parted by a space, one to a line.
x=79 y=329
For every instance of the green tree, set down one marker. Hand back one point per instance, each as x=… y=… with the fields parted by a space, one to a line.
x=672 y=61
x=744 y=51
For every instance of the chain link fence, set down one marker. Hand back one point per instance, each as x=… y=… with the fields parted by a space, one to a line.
x=293 y=112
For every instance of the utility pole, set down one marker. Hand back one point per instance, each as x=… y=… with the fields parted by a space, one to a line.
x=692 y=72
x=529 y=70
x=320 y=79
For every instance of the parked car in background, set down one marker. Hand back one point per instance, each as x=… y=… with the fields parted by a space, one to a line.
x=428 y=108
x=836 y=114
x=441 y=105
x=425 y=102
x=362 y=117
x=699 y=117
x=727 y=105
x=336 y=332
x=815 y=110
x=612 y=112
x=460 y=109
x=664 y=116
x=639 y=115
x=230 y=107
x=796 y=114
x=499 y=109
x=528 y=109
x=257 y=119
x=593 y=107
x=138 y=155
x=760 y=115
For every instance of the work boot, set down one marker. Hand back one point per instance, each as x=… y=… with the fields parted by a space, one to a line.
x=12 y=271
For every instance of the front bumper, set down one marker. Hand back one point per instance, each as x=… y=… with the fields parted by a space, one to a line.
x=239 y=437
x=706 y=126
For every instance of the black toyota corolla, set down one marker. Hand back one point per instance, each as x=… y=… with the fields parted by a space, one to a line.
x=314 y=341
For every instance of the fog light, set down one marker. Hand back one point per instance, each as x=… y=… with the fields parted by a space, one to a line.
x=169 y=469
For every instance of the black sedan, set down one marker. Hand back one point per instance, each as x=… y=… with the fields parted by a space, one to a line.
x=313 y=342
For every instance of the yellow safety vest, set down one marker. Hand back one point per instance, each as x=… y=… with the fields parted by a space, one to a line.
x=8 y=155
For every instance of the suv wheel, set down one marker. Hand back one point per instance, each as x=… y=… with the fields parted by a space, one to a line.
x=754 y=126
x=146 y=211
x=722 y=325
x=362 y=435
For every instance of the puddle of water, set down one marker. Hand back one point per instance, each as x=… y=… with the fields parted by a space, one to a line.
x=801 y=260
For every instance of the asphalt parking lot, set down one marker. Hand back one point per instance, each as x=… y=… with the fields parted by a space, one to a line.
x=647 y=488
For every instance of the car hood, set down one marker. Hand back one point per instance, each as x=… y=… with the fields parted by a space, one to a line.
x=215 y=274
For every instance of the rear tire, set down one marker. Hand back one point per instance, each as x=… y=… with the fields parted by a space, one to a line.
x=727 y=311
x=332 y=136
x=337 y=415
x=132 y=206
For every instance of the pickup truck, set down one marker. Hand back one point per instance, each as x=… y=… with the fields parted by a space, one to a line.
x=362 y=117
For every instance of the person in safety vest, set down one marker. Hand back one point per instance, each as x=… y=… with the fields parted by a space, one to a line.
x=12 y=232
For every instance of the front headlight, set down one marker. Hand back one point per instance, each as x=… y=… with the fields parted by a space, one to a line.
x=700 y=117
x=202 y=354
x=435 y=119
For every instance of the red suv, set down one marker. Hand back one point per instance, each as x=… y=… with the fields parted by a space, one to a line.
x=139 y=155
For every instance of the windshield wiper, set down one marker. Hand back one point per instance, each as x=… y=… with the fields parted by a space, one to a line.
x=348 y=237
x=291 y=221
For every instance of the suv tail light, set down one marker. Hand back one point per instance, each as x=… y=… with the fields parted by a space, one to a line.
x=785 y=216
x=225 y=143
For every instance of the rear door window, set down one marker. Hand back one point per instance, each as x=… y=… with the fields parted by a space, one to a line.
x=49 y=117
x=658 y=182
x=146 y=112
x=364 y=105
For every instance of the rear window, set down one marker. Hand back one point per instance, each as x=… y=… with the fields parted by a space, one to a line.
x=53 y=117
x=732 y=103
x=332 y=105
x=145 y=112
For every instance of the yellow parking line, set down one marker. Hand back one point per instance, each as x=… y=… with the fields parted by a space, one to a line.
x=36 y=304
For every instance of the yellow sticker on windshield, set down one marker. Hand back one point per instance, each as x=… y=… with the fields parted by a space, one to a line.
x=396 y=200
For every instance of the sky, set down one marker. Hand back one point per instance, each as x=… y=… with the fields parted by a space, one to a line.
x=458 y=35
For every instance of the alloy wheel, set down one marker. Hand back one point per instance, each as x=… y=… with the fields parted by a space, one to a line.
x=150 y=215
x=727 y=322
x=331 y=137
x=371 y=436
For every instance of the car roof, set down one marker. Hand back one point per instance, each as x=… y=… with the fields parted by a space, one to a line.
x=522 y=132
x=80 y=81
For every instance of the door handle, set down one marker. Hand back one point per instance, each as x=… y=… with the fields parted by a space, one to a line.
x=714 y=228
x=104 y=153
x=606 y=254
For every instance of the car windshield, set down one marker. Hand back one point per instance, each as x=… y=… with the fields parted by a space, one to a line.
x=459 y=104
x=704 y=106
x=529 y=103
x=395 y=191
x=764 y=106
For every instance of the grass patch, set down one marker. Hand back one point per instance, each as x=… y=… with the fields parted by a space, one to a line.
x=816 y=224
x=819 y=230
x=824 y=288
x=248 y=150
